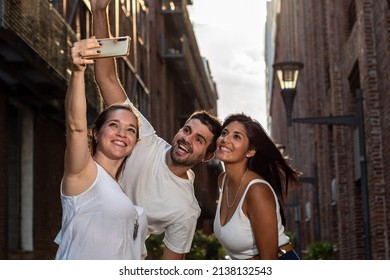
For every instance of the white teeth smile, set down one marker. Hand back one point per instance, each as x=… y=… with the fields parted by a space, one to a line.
x=119 y=143
x=224 y=149
x=183 y=148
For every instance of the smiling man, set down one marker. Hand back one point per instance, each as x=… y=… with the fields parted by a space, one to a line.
x=158 y=176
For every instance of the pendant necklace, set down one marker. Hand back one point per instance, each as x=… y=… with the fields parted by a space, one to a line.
x=229 y=205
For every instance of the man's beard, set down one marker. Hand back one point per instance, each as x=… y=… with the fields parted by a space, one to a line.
x=187 y=161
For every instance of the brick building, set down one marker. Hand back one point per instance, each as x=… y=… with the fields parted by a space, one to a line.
x=164 y=76
x=344 y=46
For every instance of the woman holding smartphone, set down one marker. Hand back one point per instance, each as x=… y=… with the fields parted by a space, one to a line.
x=249 y=221
x=99 y=221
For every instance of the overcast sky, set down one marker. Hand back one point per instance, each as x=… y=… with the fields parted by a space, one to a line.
x=230 y=34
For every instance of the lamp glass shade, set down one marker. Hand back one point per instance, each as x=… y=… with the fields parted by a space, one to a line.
x=288 y=73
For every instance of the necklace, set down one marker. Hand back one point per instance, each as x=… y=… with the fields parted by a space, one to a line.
x=229 y=205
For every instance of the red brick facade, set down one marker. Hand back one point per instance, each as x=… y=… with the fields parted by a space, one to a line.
x=344 y=45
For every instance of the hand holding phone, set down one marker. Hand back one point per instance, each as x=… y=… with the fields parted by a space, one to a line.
x=112 y=47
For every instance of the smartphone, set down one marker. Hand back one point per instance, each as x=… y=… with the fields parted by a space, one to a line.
x=113 y=47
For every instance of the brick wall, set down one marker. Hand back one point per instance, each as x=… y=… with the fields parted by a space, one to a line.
x=317 y=33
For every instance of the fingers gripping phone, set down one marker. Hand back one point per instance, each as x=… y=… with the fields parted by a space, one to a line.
x=112 y=47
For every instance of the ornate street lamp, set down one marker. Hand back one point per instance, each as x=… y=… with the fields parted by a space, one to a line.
x=288 y=74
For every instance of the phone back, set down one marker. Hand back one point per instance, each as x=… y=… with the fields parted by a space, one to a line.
x=113 y=47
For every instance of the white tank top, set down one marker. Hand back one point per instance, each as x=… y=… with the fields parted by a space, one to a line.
x=236 y=236
x=101 y=223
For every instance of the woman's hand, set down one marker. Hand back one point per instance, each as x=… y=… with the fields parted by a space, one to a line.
x=80 y=50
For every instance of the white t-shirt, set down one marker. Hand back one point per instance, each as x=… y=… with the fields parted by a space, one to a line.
x=100 y=223
x=169 y=201
x=236 y=236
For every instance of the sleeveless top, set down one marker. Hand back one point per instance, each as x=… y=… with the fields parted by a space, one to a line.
x=236 y=236
x=101 y=223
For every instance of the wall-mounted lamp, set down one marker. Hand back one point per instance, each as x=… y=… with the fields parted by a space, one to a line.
x=288 y=74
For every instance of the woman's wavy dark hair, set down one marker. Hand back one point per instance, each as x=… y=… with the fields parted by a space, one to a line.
x=268 y=161
x=102 y=118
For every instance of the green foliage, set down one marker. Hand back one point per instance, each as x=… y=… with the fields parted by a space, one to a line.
x=292 y=236
x=204 y=247
x=319 y=250
x=155 y=247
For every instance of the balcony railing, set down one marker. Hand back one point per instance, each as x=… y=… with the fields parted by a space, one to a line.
x=176 y=15
x=179 y=43
x=178 y=55
x=44 y=30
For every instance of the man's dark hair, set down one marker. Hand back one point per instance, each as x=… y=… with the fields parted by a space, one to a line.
x=212 y=122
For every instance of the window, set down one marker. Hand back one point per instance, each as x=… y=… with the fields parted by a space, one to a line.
x=297 y=214
x=354 y=84
x=308 y=211
x=20 y=183
x=333 y=187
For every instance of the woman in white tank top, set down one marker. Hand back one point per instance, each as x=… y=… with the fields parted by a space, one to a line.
x=99 y=221
x=249 y=222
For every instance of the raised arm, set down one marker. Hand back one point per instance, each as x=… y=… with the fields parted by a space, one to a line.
x=79 y=170
x=105 y=69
